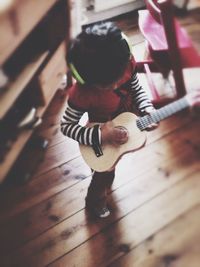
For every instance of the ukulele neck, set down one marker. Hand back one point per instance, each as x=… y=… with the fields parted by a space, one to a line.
x=162 y=113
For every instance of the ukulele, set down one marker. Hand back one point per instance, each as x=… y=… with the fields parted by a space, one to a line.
x=110 y=154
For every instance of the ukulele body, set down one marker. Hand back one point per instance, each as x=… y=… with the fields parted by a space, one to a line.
x=112 y=153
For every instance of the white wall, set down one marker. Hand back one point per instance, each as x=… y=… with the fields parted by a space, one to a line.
x=76 y=11
x=82 y=13
x=93 y=16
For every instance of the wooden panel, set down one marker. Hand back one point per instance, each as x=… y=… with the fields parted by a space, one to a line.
x=52 y=74
x=12 y=155
x=8 y=97
x=17 y=22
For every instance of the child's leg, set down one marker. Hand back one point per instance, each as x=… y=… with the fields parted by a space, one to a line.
x=110 y=181
x=97 y=192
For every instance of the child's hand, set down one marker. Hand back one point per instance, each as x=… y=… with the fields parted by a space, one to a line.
x=113 y=135
x=153 y=126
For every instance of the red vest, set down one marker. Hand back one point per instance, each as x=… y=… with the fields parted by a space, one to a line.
x=103 y=105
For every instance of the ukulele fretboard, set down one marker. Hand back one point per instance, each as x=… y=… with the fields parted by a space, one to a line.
x=162 y=113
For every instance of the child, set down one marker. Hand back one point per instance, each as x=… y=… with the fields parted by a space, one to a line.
x=101 y=61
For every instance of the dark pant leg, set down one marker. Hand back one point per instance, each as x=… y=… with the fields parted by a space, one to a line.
x=101 y=181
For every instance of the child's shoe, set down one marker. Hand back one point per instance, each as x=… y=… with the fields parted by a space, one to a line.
x=100 y=210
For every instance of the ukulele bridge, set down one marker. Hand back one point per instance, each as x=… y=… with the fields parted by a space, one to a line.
x=97 y=150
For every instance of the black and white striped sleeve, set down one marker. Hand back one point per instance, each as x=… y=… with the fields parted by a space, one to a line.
x=139 y=96
x=70 y=127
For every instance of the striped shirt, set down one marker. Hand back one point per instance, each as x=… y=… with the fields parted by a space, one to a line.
x=92 y=135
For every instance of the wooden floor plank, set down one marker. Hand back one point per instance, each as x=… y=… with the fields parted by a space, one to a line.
x=190 y=22
x=154 y=154
x=57 y=208
x=15 y=200
x=137 y=192
x=168 y=247
x=129 y=25
x=50 y=212
x=135 y=227
x=58 y=155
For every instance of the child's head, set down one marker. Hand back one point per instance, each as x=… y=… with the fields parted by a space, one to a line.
x=99 y=54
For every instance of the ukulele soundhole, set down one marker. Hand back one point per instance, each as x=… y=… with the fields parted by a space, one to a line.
x=122 y=128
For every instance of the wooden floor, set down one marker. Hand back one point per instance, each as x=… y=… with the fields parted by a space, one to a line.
x=155 y=198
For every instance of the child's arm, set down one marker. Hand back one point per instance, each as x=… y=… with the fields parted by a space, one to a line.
x=70 y=127
x=93 y=136
x=140 y=99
